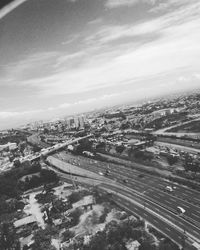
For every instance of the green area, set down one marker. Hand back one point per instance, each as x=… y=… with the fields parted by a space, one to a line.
x=192 y=127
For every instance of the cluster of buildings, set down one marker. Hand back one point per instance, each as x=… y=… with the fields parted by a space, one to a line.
x=59 y=125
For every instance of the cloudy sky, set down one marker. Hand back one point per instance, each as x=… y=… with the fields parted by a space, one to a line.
x=63 y=56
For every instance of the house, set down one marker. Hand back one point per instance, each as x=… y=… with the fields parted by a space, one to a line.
x=133 y=245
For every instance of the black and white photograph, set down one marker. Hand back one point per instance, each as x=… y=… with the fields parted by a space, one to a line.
x=99 y=124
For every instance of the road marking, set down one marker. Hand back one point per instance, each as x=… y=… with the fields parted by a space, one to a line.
x=167 y=229
x=195 y=215
x=186 y=206
x=168 y=202
x=155 y=221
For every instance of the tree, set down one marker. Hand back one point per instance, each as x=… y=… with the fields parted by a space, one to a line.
x=113 y=233
x=48 y=175
x=7 y=236
x=120 y=149
x=67 y=234
x=74 y=197
x=167 y=244
x=45 y=198
x=84 y=145
x=98 y=242
x=17 y=163
x=147 y=246
x=75 y=215
x=42 y=240
x=118 y=246
x=59 y=206
x=172 y=160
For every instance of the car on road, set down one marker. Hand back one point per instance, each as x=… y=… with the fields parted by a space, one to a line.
x=169 y=188
x=100 y=173
x=180 y=210
x=125 y=181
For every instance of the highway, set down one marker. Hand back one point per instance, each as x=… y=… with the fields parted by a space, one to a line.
x=150 y=187
x=145 y=190
x=169 y=224
x=190 y=195
x=191 y=150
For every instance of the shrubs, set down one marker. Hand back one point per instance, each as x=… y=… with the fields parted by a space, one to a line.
x=67 y=235
x=45 y=198
x=75 y=215
x=42 y=239
x=77 y=196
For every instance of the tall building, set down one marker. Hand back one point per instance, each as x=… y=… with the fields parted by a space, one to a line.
x=82 y=121
x=72 y=124
x=76 y=122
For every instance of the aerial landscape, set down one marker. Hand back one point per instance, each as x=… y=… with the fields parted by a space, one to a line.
x=99 y=125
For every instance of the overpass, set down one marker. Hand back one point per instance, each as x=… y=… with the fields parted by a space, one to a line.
x=47 y=151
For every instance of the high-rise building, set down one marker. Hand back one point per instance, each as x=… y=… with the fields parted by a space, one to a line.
x=82 y=121
x=72 y=124
x=76 y=122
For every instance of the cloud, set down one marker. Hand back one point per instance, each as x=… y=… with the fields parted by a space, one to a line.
x=90 y=100
x=174 y=50
x=182 y=79
x=70 y=39
x=121 y=3
x=197 y=76
x=155 y=26
x=30 y=113
x=14 y=114
x=135 y=65
x=10 y=7
x=170 y=5
x=63 y=59
x=95 y=21
x=31 y=66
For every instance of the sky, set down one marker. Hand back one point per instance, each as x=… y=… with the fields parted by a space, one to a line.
x=58 y=57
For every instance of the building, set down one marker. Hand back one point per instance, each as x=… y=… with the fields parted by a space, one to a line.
x=82 y=122
x=76 y=122
x=25 y=221
x=133 y=245
x=8 y=146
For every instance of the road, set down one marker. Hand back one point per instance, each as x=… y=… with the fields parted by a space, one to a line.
x=163 y=130
x=169 y=224
x=49 y=150
x=153 y=188
x=178 y=147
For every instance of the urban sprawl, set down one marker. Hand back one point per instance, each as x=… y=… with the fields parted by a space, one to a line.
x=120 y=178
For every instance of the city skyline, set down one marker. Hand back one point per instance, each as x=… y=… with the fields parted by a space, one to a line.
x=77 y=55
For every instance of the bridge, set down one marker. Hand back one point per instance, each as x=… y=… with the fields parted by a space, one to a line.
x=47 y=151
